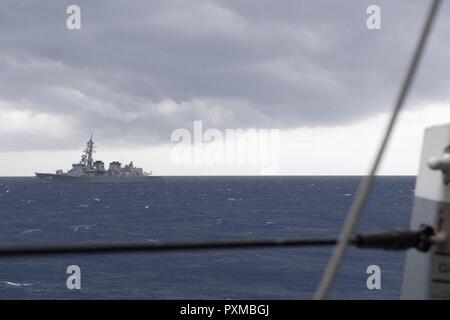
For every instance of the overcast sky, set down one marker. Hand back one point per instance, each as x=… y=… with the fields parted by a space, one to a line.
x=138 y=70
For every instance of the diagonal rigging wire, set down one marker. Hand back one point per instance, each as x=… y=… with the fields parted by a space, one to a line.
x=367 y=184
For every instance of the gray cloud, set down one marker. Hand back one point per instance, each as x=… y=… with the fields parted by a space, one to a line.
x=139 y=69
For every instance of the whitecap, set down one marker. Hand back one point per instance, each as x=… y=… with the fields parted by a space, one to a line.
x=30 y=231
x=14 y=284
x=83 y=227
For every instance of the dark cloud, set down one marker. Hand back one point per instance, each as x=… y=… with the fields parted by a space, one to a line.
x=139 y=69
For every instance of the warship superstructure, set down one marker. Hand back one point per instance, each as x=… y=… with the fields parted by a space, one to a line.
x=88 y=170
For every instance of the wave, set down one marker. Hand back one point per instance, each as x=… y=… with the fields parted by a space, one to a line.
x=82 y=226
x=30 y=231
x=14 y=284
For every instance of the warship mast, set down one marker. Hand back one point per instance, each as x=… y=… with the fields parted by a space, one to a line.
x=87 y=158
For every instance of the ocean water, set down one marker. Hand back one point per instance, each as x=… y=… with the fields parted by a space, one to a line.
x=196 y=209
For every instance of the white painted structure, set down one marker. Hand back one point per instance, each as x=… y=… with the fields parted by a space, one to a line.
x=427 y=275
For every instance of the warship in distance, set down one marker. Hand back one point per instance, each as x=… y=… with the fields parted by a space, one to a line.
x=88 y=170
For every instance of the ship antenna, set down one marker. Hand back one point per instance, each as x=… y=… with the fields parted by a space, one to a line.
x=89 y=151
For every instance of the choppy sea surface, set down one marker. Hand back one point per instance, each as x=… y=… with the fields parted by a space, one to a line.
x=197 y=209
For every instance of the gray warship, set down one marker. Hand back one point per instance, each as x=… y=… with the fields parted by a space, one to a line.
x=88 y=170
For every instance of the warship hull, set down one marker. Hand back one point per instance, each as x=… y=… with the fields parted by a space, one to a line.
x=52 y=178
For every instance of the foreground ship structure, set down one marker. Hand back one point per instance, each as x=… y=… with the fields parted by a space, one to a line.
x=88 y=170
